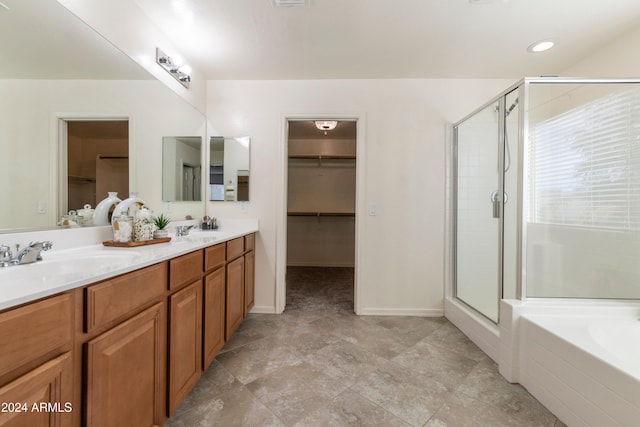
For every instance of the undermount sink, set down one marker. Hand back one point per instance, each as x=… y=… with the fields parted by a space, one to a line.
x=65 y=263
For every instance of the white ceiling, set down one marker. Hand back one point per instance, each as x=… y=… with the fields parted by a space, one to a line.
x=250 y=39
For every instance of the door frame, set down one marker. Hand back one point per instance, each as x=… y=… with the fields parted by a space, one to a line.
x=281 y=215
x=58 y=181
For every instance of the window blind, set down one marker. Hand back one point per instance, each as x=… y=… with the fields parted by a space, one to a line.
x=585 y=165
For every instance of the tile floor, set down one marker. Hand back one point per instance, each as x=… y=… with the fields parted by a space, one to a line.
x=318 y=364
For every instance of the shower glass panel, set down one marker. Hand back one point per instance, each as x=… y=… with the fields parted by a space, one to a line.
x=582 y=215
x=478 y=206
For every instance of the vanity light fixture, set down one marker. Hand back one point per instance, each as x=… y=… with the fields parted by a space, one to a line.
x=540 y=46
x=180 y=72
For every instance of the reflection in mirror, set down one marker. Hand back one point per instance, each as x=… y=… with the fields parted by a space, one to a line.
x=97 y=163
x=181 y=168
x=77 y=75
x=229 y=169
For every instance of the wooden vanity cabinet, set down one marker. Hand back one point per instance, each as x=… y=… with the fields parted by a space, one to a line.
x=126 y=370
x=185 y=326
x=214 y=303
x=36 y=374
x=125 y=348
x=185 y=342
x=249 y=273
x=235 y=286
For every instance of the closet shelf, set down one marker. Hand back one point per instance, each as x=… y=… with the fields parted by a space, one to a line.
x=77 y=178
x=321 y=157
x=321 y=214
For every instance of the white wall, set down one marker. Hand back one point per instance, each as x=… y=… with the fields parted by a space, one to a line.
x=617 y=59
x=404 y=138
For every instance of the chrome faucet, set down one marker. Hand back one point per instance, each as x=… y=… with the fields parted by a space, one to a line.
x=183 y=230
x=27 y=255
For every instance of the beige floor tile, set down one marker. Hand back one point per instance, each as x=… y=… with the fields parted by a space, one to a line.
x=345 y=361
x=254 y=360
x=486 y=384
x=352 y=410
x=436 y=363
x=397 y=389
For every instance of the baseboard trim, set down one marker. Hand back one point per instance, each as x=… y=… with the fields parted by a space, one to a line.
x=415 y=312
x=263 y=309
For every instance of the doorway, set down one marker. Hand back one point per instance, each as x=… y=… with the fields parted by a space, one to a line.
x=94 y=161
x=321 y=215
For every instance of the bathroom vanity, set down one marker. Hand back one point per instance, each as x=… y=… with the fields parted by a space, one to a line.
x=127 y=346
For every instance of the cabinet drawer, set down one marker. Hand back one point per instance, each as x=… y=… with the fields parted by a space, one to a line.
x=35 y=330
x=109 y=300
x=214 y=256
x=235 y=248
x=249 y=242
x=185 y=269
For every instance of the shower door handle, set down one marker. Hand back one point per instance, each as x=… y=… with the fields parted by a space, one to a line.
x=495 y=200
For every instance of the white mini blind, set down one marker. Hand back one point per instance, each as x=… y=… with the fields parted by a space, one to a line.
x=585 y=165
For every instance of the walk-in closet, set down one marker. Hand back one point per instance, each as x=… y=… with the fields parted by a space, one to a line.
x=321 y=214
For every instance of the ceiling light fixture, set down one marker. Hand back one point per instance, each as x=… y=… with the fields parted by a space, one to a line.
x=181 y=72
x=540 y=46
x=290 y=3
x=326 y=125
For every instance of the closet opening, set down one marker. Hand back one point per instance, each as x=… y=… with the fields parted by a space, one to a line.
x=321 y=215
x=94 y=161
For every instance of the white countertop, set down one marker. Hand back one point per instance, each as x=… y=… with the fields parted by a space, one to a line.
x=61 y=270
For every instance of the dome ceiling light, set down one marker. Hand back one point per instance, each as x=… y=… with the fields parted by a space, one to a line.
x=326 y=125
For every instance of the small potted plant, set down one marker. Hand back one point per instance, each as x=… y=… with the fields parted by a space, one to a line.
x=161 y=221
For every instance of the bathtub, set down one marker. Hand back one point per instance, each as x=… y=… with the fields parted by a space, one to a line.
x=581 y=362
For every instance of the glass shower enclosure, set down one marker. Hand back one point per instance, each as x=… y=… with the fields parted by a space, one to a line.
x=546 y=194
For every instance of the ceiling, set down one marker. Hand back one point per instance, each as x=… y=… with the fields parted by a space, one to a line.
x=332 y=39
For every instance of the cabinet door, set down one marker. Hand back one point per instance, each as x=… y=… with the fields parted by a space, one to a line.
x=249 y=281
x=41 y=397
x=235 y=296
x=126 y=367
x=213 y=315
x=185 y=342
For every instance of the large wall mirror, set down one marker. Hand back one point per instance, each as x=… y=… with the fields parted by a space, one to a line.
x=57 y=71
x=229 y=169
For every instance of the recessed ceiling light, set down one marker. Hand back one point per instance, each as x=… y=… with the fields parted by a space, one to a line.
x=541 y=46
x=290 y=3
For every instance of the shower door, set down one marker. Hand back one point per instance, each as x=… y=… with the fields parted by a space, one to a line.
x=478 y=210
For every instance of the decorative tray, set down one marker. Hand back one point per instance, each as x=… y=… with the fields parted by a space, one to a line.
x=134 y=244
